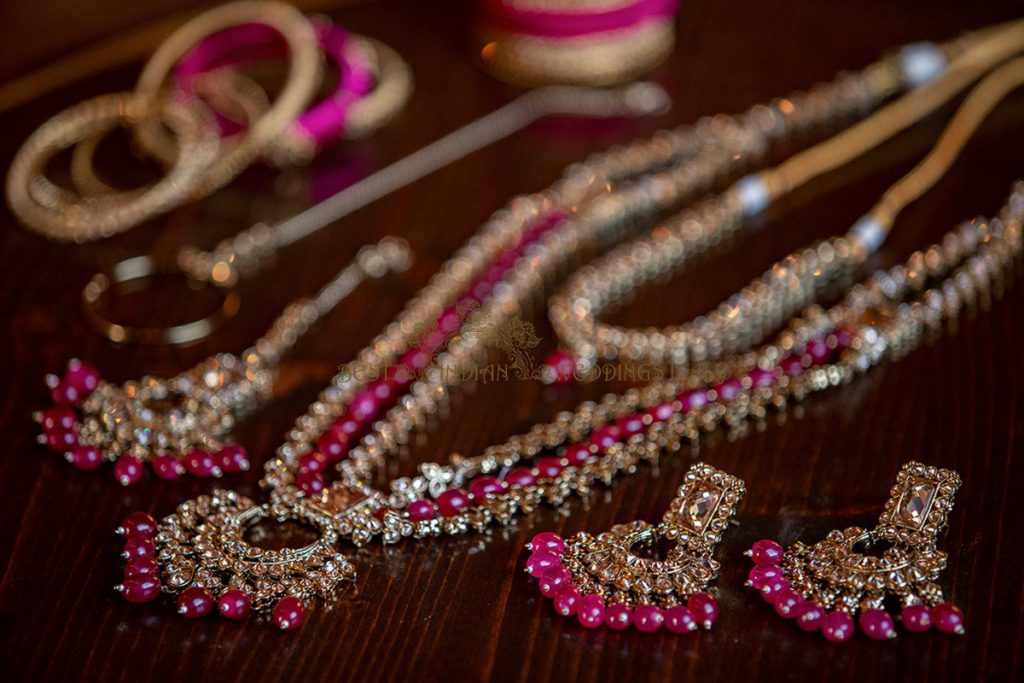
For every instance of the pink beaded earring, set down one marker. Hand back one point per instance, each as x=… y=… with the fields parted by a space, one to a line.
x=822 y=587
x=600 y=581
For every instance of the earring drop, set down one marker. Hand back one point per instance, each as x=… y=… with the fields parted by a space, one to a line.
x=825 y=585
x=601 y=581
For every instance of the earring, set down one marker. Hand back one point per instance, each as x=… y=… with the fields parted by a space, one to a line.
x=599 y=580
x=823 y=586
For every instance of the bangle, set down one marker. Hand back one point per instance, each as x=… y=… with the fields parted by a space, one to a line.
x=225 y=90
x=535 y=43
x=322 y=122
x=303 y=78
x=141 y=268
x=64 y=216
x=392 y=88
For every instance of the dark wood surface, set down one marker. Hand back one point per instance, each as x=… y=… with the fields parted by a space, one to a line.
x=462 y=609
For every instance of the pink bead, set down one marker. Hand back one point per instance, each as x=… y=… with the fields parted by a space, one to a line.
x=590 y=611
x=552 y=580
x=520 y=476
x=877 y=624
x=792 y=365
x=128 y=470
x=548 y=467
x=948 y=618
x=837 y=626
x=233 y=458
x=234 y=604
x=844 y=337
x=139 y=548
x=563 y=367
x=288 y=613
x=421 y=510
x=140 y=589
x=385 y=391
x=761 y=574
x=311 y=483
x=818 y=350
x=547 y=542
x=65 y=394
x=772 y=588
x=452 y=502
x=916 y=618
x=166 y=467
x=661 y=412
x=142 y=567
x=729 y=389
x=630 y=425
x=785 y=603
x=618 y=617
x=766 y=551
x=58 y=419
x=138 y=524
x=567 y=600
x=808 y=615
x=485 y=486
x=364 y=406
x=334 y=445
x=61 y=442
x=195 y=602
x=679 y=620
x=648 y=618
x=760 y=377
x=704 y=608
x=577 y=454
x=313 y=463
x=541 y=561
x=449 y=321
x=199 y=463
x=82 y=376
x=693 y=399
x=606 y=437
x=346 y=425
x=415 y=359
x=86 y=458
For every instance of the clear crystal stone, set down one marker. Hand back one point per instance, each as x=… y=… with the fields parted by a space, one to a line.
x=915 y=503
x=699 y=504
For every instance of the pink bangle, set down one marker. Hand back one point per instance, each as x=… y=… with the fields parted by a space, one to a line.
x=569 y=41
x=324 y=121
x=574 y=20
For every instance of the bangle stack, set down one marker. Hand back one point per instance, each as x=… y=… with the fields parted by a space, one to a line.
x=200 y=156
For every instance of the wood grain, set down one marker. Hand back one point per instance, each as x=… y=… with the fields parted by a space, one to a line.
x=462 y=609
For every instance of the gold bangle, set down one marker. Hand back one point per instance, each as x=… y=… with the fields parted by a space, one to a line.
x=248 y=96
x=392 y=90
x=303 y=79
x=587 y=60
x=63 y=216
x=141 y=268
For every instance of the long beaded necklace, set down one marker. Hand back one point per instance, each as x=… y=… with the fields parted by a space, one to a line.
x=201 y=550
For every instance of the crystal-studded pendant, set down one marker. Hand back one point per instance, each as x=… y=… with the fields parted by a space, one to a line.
x=202 y=549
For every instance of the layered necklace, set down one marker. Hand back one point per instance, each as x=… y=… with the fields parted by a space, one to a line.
x=357 y=424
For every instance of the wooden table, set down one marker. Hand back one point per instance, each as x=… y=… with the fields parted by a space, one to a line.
x=462 y=609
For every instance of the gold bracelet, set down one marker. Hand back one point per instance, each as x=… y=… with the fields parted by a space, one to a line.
x=63 y=216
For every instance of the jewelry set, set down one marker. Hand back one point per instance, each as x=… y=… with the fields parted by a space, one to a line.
x=766 y=346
